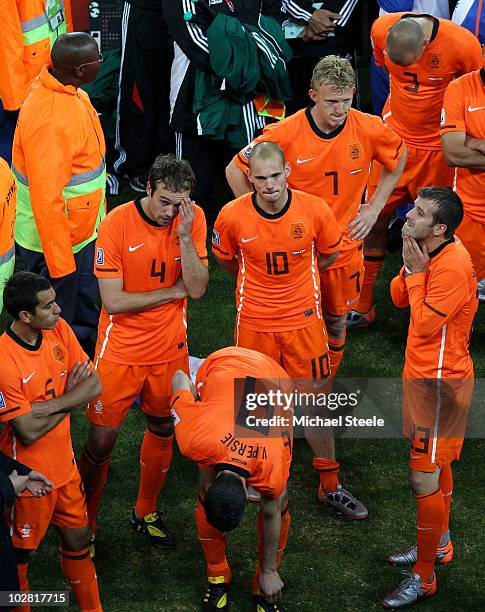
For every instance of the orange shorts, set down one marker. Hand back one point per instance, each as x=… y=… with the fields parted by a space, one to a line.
x=435 y=417
x=341 y=285
x=123 y=383
x=472 y=234
x=422 y=169
x=303 y=353
x=64 y=507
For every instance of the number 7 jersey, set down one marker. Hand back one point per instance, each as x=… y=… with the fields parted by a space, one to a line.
x=147 y=257
x=332 y=166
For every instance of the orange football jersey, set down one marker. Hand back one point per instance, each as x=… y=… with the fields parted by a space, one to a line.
x=278 y=281
x=464 y=111
x=147 y=257
x=333 y=166
x=32 y=374
x=443 y=303
x=206 y=430
x=416 y=91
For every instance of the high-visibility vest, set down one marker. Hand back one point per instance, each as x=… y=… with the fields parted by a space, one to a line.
x=60 y=172
x=7 y=222
x=27 y=37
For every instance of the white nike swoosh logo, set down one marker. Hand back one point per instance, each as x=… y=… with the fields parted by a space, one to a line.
x=26 y=380
x=471 y=109
x=303 y=161
x=134 y=248
x=349 y=302
x=244 y=240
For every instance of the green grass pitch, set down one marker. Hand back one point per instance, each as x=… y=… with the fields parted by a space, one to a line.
x=330 y=563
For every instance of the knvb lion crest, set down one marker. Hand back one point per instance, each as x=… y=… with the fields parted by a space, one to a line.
x=355 y=150
x=297 y=230
x=58 y=353
x=434 y=61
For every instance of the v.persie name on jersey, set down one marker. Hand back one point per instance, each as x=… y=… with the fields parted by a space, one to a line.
x=250 y=451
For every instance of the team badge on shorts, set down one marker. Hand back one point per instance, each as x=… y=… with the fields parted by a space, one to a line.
x=297 y=230
x=434 y=61
x=99 y=256
x=355 y=150
x=3 y=403
x=58 y=353
x=216 y=239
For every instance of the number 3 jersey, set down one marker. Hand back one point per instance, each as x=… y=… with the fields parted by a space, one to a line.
x=278 y=285
x=147 y=257
x=417 y=90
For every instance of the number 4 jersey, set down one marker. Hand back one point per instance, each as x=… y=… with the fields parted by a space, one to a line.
x=278 y=285
x=147 y=257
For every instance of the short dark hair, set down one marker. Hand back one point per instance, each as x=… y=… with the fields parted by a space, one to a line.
x=20 y=292
x=176 y=174
x=267 y=150
x=225 y=501
x=449 y=207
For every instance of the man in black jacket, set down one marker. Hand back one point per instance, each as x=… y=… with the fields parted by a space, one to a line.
x=14 y=478
x=187 y=23
x=142 y=124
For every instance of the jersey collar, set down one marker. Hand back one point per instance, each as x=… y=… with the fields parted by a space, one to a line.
x=144 y=216
x=22 y=343
x=220 y=467
x=442 y=246
x=317 y=130
x=268 y=215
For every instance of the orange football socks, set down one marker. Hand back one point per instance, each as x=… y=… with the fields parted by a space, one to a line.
x=80 y=572
x=373 y=264
x=431 y=514
x=328 y=471
x=155 y=460
x=213 y=544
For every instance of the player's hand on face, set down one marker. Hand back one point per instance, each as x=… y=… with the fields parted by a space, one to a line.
x=415 y=258
x=18 y=482
x=271 y=585
x=38 y=484
x=323 y=21
x=187 y=214
x=363 y=222
x=79 y=372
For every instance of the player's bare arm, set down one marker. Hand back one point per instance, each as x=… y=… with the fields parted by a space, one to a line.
x=269 y=579
x=180 y=381
x=116 y=300
x=231 y=265
x=463 y=151
x=325 y=261
x=238 y=180
x=194 y=273
x=368 y=213
x=82 y=386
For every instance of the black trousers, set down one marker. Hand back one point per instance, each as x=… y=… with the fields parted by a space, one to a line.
x=77 y=294
x=142 y=125
x=208 y=159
